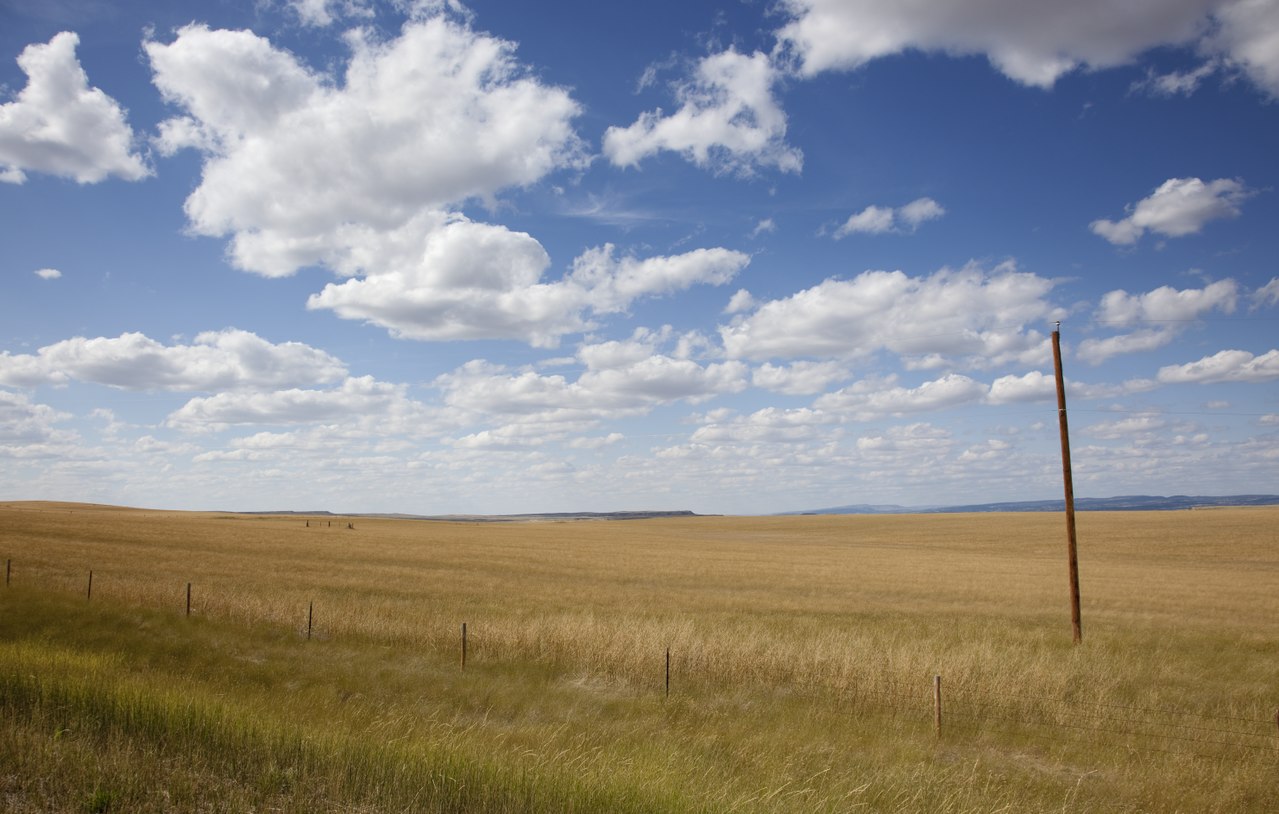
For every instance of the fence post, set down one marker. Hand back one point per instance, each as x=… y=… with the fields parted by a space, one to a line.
x=188 y=599
x=464 y=645
x=937 y=704
x=89 y=593
x=310 y=614
x=8 y=564
x=668 y=672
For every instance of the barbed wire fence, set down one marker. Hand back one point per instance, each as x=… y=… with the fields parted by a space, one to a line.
x=969 y=709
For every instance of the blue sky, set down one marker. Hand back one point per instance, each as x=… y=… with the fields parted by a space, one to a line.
x=748 y=257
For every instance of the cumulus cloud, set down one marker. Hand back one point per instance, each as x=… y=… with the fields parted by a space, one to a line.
x=61 y=126
x=217 y=360
x=798 y=378
x=876 y=220
x=363 y=176
x=968 y=312
x=356 y=398
x=920 y=437
x=1247 y=37
x=1033 y=386
x=295 y=161
x=771 y=425
x=871 y=399
x=741 y=301
x=728 y=120
x=1031 y=41
x=1225 y=366
x=467 y=280
x=614 y=283
x=1170 y=310
x=24 y=422
x=48 y=274
x=621 y=378
x=1178 y=207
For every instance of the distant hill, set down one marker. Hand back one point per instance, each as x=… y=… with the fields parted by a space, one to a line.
x=1125 y=503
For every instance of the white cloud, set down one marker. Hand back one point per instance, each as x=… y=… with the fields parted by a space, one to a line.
x=798 y=378
x=741 y=301
x=1173 y=308
x=613 y=284
x=217 y=360
x=920 y=210
x=48 y=274
x=1033 y=386
x=728 y=121
x=361 y=177
x=1248 y=37
x=876 y=220
x=771 y=425
x=1176 y=83
x=297 y=163
x=467 y=280
x=458 y=280
x=361 y=398
x=23 y=422
x=1039 y=386
x=622 y=378
x=1267 y=295
x=1134 y=428
x=966 y=313
x=60 y=125
x=1031 y=41
x=321 y=13
x=1179 y=207
x=873 y=220
x=1167 y=304
x=597 y=442
x=871 y=398
x=1225 y=366
x=916 y=438
x=765 y=226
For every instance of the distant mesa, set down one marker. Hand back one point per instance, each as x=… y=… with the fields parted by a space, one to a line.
x=1125 y=503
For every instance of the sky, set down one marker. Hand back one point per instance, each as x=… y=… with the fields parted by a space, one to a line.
x=743 y=257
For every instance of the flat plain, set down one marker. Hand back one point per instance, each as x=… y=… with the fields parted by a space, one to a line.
x=320 y=665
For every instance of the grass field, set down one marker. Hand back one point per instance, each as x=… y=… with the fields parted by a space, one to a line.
x=802 y=654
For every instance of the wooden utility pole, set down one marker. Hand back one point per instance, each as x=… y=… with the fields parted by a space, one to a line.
x=1071 y=551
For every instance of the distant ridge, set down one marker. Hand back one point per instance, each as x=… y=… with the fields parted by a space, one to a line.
x=1125 y=503
x=493 y=518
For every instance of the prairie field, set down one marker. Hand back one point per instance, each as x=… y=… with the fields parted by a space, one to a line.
x=746 y=664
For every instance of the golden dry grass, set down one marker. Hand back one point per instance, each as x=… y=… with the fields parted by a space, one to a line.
x=780 y=624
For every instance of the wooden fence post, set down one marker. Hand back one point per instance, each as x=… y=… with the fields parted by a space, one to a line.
x=668 y=672
x=8 y=564
x=464 y=645
x=310 y=614
x=937 y=704
x=188 y=599
x=89 y=593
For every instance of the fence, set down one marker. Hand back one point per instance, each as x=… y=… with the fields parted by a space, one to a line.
x=968 y=710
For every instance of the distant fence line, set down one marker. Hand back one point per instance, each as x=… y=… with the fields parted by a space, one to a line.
x=984 y=716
